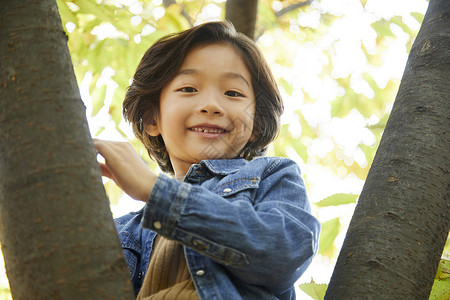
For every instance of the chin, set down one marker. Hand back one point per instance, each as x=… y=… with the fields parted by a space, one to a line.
x=213 y=152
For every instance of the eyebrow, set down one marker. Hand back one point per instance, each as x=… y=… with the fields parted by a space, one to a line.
x=231 y=75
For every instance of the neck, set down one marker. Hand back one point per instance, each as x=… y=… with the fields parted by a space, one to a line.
x=179 y=177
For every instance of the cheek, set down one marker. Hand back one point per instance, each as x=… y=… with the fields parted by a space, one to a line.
x=174 y=125
x=171 y=114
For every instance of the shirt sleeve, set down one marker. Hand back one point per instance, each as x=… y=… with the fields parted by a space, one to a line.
x=269 y=241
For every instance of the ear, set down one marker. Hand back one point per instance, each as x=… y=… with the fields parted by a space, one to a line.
x=254 y=136
x=152 y=128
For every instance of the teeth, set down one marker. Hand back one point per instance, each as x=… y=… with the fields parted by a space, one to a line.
x=208 y=130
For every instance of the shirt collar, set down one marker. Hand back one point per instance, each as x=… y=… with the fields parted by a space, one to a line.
x=221 y=166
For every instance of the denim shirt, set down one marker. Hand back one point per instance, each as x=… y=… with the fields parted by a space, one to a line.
x=246 y=227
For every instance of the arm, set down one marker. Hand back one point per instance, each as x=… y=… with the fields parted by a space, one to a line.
x=267 y=243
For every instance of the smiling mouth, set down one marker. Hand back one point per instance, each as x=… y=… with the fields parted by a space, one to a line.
x=208 y=130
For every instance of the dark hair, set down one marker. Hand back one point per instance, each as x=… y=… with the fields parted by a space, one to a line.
x=162 y=61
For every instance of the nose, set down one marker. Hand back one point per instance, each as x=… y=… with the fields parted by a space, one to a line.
x=211 y=110
x=210 y=105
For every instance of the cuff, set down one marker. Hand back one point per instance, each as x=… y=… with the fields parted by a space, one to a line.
x=165 y=205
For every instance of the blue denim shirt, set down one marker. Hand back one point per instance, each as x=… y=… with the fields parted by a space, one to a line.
x=246 y=227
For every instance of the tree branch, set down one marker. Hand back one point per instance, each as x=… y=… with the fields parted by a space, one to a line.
x=292 y=7
x=242 y=13
x=283 y=12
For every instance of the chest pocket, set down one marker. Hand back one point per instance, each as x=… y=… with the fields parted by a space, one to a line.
x=238 y=189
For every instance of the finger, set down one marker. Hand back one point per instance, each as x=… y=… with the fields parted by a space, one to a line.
x=101 y=146
x=113 y=151
x=105 y=171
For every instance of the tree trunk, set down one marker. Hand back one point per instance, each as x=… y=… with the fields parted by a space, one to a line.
x=242 y=13
x=402 y=220
x=56 y=229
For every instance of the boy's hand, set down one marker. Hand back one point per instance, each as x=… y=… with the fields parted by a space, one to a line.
x=126 y=168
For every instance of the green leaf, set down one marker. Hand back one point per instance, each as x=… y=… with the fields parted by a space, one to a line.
x=122 y=22
x=418 y=16
x=98 y=99
x=65 y=13
x=369 y=152
x=397 y=20
x=116 y=113
x=341 y=106
x=337 y=199
x=447 y=247
x=300 y=148
x=329 y=232
x=115 y=109
x=440 y=290
x=90 y=7
x=314 y=290
x=306 y=128
x=266 y=18
x=382 y=28
x=286 y=86
x=113 y=191
x=100 y=130
x=441 y=286
x=443 y=271
x=372 y=83
x=171 y=20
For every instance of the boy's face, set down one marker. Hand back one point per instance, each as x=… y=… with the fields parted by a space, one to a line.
x=207 y=110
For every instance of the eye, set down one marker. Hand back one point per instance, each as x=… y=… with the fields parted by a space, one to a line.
x=187 y=89
x=233 y=94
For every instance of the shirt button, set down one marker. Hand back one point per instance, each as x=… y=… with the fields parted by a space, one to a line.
x=157 y=225
x=140 y=274
x=227 y=190
x=200 y=273
x=199 y=245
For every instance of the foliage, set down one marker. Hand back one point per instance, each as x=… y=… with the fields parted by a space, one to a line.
x=441 y=287
x=314 y=290
x=337 y=199
x=337 y=63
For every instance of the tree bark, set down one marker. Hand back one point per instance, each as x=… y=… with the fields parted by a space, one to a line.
x=56 y=229
x=242 y=13
x=400 y=225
